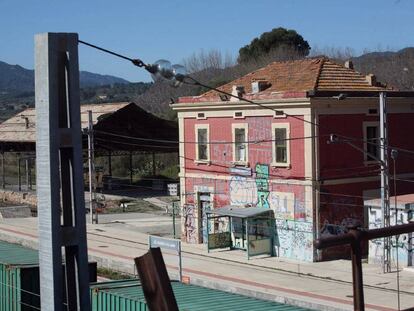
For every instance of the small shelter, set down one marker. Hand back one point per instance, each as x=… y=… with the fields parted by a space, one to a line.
x=250 y=229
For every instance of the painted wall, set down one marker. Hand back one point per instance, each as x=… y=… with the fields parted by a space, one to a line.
x=259 y=129
x=341 y=160
x=341 y=205
x=255 y=185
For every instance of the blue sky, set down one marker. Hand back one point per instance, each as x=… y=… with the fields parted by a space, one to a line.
x=173 y=29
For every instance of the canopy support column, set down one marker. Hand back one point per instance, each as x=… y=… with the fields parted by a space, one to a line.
x=3 y=177
x=130 y=168
x=19 y=173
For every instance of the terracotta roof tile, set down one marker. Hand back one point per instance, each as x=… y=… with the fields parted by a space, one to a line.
x=298 y=76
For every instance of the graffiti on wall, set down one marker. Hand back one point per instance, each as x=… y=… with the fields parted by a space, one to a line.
x=243 y=191
x=283 y=204
x=338 y=214
x=190 y=225
x=294 y=239
x=262 y=184
x=401 y=245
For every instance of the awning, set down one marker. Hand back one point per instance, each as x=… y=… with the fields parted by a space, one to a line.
x=240 y=212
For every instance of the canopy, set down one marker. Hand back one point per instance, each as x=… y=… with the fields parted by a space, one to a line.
x=240 y=212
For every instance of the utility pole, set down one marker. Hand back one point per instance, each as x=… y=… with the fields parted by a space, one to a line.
x=91 y=165
x=385 y=181
x=60 y=190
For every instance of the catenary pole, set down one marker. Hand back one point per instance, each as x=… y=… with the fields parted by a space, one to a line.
x=385 y=179
x=60 y=193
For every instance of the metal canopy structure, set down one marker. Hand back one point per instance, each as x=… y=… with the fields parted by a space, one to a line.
x=117 y=126
x=250 y=229
x=233 y=211
x=117 y=129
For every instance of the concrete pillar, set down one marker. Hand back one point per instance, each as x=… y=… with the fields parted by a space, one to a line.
x=60 y=174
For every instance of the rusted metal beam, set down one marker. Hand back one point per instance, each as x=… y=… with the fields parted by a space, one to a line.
x=155 y=281
x=354 y=238
x=371 y=234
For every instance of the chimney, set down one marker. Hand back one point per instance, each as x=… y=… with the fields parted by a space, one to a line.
x=238 y=90
x=372 y=79
x=349 y=64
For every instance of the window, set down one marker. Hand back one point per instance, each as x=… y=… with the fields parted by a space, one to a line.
x=371 y=138
x=202 y=146
x=240 y=148
x=281 y=150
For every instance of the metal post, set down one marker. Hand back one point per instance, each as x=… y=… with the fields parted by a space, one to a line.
x=27 y=173
x=385 y=190
x=173 y=217
x=30 y=175
x=3 y=177
x=180 y=263
x=91 y=167
x=60 y=193
x=19 y=173
x=153 y=164
x=357 y=277
x=110 y=164
x=130 y=168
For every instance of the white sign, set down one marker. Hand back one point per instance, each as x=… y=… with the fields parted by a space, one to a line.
x=169 y=244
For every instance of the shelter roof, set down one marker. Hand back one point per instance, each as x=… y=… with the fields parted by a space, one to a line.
x=22 y=126
x=240 y=212
x=117 y=126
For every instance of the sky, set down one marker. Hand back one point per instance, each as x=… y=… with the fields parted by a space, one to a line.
x=174 y=29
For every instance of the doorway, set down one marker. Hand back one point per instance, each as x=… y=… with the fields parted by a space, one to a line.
x=204 y=203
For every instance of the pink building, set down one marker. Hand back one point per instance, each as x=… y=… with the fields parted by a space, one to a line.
x=275 y=155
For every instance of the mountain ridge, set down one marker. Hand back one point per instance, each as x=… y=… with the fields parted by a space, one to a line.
x=18 y=78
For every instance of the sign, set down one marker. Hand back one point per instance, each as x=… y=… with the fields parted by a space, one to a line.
x=163 y=243
x=241 y=171
x=173 y=189
x=168 y=244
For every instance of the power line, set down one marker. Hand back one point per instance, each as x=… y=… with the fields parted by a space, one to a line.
x=258 y=141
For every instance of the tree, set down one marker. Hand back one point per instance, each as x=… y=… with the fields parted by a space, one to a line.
x=278 y=38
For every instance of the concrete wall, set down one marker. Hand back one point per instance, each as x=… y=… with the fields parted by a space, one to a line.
x=16 y=197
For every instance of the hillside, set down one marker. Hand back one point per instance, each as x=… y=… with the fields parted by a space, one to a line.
x=393 y=68
x=17 y=89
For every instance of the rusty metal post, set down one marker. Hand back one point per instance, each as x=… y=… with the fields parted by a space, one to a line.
x=357 y=277
x=155 y=281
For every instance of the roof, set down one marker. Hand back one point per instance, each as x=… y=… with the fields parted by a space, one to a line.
x=295 y=78
x=17 y=255
x=404 y=201
x=189 y=297
x=240 y=212
x=117 y=127
x=15 y=129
